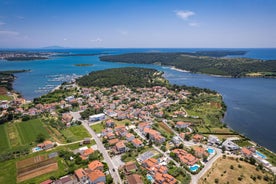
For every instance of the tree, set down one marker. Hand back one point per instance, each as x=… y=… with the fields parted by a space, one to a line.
x=40 y=138
x=223 y=149
x=252 y=161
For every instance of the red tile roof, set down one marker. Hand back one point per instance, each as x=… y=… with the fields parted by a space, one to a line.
x=80 y=173
x=95 y=165
x=94 y=175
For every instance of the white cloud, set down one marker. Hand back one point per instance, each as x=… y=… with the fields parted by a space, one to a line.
x=98 y=40
x=2 y=23
x=64 y=39
x=9 y=33
x=184 y=14
x=194 y=24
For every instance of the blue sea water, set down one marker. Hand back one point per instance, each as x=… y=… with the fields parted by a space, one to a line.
x=251 y=102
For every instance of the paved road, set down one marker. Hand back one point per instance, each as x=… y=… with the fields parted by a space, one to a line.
x=209 y=164
x=115 y=175
x=166 y=155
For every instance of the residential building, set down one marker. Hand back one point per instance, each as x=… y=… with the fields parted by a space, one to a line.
x=137 y=143
x=129 y=137
x=68 y=179
x=86 y=153
x=113 y=142
x=130 y=167
x=109 y=123
x=212 y=139
x=143 y=125
x=176 y=140
x=134 y=179
x=185 y=157
x=120 y=147
x=95 y=165
x=246 y=152
x=164 y=179
x=230 y=146
x=96 y=177
x=154 y=135
x=81 y=175
x=182 y=125
x=198 y=138
x=200 y=152
x=46 y=145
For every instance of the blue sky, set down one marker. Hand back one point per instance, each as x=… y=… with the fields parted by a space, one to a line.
x=138 y=23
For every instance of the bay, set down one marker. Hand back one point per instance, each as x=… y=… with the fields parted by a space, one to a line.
x=251 y=102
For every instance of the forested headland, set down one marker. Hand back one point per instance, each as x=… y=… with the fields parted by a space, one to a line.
x=200 y=63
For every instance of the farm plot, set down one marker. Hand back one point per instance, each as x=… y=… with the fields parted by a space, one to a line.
x=35 y=166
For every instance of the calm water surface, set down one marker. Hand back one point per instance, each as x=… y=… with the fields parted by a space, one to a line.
x=251 y=102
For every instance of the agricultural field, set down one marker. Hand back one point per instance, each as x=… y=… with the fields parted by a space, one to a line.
x=34 y=167
x=8 y=172
x=29 y=130
x=14 y=135
x=4 y=143
x=75 y=133
x=230 y=170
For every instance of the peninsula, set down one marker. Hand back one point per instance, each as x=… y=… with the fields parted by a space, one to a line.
x=118 y=124
x=207 y=62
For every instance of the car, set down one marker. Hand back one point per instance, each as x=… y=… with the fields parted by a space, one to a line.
x=113 y=170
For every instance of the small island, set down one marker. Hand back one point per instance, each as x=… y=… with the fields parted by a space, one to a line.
x=83 y=64
x=208 y=62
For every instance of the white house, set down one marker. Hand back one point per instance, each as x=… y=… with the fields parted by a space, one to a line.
x=97 y=117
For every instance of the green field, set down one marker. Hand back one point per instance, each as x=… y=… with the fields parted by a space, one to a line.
x=14 y=135
x=4 y=143
x=29 y=130
x=5 y=97
x=75 y=133
x=8 y=172
x=97 y=127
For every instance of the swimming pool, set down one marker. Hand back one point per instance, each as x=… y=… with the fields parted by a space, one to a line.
x=36 y=149
x=194 y=168
x=150 y=178
x=211 y=150
x=261 y=155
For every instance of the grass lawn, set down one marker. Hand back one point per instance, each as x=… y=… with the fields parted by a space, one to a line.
x=243 y=143
x=29 y=130
x=75 y=133
x=97 y=127
x=4 y=143
x=77 y=145
x=5 y=97
x=223 y=173
x=123 y=122
x=8 y=172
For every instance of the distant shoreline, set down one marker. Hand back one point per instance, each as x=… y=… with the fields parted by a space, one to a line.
x=83 y=64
